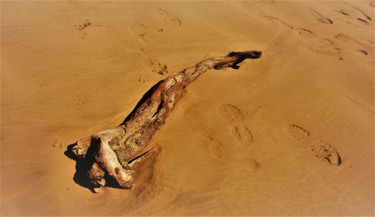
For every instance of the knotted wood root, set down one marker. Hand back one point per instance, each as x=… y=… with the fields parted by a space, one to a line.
x=110 y=152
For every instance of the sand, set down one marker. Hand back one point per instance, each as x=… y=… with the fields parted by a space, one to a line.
x=240 y=142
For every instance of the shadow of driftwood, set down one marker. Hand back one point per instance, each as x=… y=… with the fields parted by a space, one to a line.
x=82 y=166
x=243 y=56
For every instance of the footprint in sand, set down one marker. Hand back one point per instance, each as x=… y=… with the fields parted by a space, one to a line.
x=198 y=127
x=297 y=132
x=344 y=12
x=169 y=18
x=254 y=164
x=364 y=46
x=320 y=17
x=239 y=131
x=231 y=112
x=320 y=149
x=342 y=37
x=323 y=45
x=326 y=152
x=280 y=21
x=305 y=33
x=363 y=52
x=139 y=30
x=367 y=17
x=242 y=134
x=326 y=41
x=214 y=147
x=253 y=111
x=362 y=20
x=354 y=16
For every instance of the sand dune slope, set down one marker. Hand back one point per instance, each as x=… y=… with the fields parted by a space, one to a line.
x=291 y=133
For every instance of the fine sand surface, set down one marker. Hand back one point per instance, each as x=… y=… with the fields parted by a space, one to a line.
x=240 y=142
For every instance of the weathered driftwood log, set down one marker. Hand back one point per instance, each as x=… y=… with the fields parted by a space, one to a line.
x=110 y=152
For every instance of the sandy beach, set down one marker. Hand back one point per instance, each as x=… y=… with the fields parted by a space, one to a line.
x=245 y=141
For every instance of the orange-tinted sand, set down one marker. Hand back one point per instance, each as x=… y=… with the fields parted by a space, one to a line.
x=239 y=142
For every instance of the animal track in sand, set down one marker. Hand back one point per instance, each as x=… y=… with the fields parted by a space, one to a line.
x=326 y=152
x=140 y=79
x=56 y=144
x=159 y=68
x=297 y=132
x=81 y=99
x=231 y=112
x=320 y=17
x=42 y=83
x=86 y=24
x=92 y=8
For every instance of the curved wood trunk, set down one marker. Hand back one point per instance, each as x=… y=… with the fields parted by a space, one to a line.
x=109 y=152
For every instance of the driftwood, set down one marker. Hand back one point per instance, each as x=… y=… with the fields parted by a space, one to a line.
x=110 y=154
